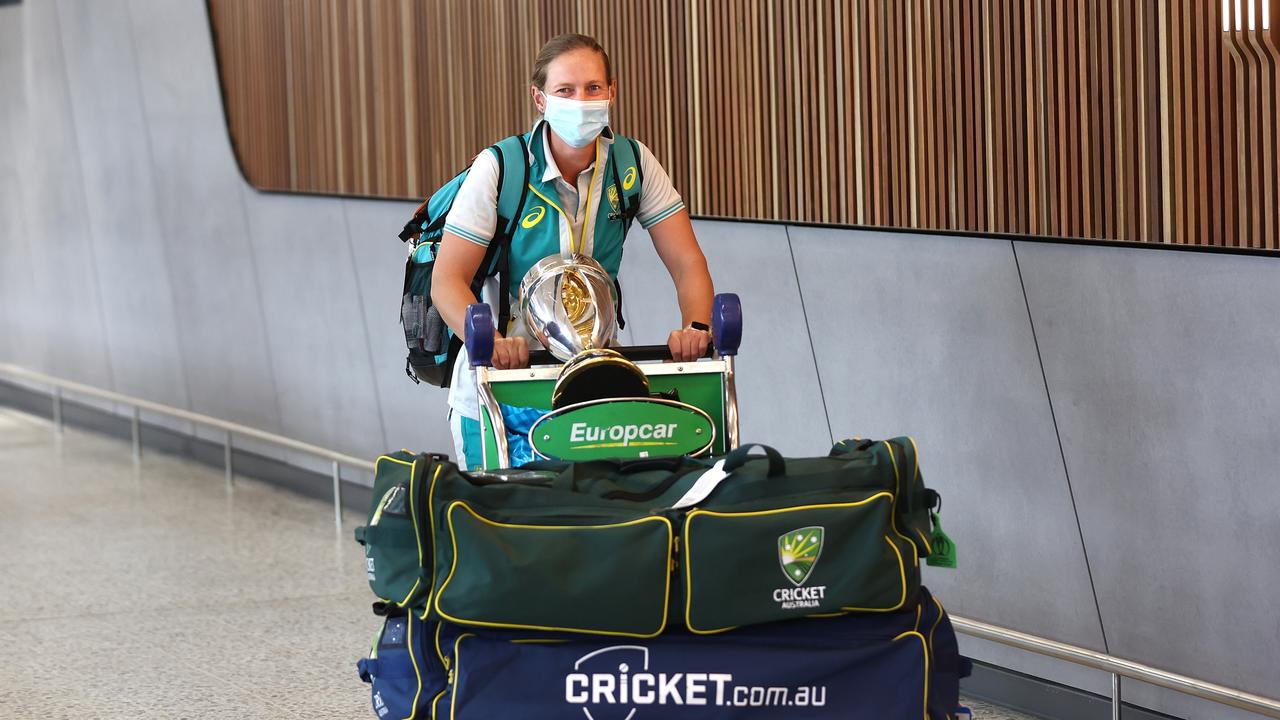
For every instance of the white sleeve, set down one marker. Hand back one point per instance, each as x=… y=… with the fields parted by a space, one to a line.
x=474 y=214
x=658 y=199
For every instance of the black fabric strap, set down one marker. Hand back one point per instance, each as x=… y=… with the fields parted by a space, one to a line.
x=414 y=226
x=622 y=322
x=385 y=609
x=504 y=259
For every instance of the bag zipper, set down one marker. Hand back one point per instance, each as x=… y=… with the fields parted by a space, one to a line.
x=797 y=501
x=609 y=518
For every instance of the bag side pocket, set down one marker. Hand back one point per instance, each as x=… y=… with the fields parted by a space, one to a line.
x=391 y=559
x=557 y=573
x=751 y=567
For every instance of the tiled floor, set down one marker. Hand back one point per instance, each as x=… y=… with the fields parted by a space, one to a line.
x=151 y=592
x=154 y=593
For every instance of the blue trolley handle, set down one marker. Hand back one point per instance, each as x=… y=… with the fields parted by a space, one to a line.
x=479 y=334
x=726 y=333
x=726 y=323
x=479 y=342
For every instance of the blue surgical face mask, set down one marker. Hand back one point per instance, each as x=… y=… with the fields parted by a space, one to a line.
x=577 y=122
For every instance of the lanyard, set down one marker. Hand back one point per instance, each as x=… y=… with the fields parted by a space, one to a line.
x=586 y=214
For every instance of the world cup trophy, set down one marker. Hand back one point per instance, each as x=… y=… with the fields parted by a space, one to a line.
x=569 y=305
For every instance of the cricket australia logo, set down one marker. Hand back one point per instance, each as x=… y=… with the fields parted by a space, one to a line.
x=613 y=197
x=798 y=553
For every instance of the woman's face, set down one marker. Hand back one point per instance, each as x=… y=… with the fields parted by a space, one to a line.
x=575 y=75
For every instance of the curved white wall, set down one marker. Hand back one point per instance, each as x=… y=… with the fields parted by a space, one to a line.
x=1100 y=421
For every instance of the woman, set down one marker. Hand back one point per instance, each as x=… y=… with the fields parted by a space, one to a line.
x=571 y=184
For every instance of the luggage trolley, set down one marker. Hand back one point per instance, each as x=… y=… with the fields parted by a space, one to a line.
x=691 y=407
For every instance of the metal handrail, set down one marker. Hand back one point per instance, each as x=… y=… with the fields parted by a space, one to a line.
x=337 y=459
x=1117 y=667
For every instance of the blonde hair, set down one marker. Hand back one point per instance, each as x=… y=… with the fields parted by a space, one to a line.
x=562 y=44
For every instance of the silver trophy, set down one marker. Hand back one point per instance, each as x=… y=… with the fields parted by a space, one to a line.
x=569 y=305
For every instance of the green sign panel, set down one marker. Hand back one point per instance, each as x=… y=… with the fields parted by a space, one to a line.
x=622 y=429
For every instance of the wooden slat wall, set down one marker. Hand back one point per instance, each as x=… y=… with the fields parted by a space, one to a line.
x=1143 y=120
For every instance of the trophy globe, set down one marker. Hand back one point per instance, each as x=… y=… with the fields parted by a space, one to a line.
x=569 y=305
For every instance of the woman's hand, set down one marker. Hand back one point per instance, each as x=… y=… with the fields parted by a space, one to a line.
x=688 y=344
x=510 y=353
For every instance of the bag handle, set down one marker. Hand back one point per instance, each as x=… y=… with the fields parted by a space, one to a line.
x=902 y=454
x=672 y=465
x=723 y=468
x=569 y=472
x=909 y=471
x=736 y=458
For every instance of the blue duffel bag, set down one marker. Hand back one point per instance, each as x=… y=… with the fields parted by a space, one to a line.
x=884 y=666
x=404 y=668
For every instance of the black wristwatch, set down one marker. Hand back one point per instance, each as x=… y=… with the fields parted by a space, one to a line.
x=695 y=325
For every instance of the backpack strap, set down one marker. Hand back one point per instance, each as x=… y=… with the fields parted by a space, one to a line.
x=413 y=228
x=625 y=154
x=513 y=187
x=513 y=190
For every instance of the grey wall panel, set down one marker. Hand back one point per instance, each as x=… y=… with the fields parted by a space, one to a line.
x=413 y=416
x=648 y=295
x=13 y=275
x=120 y=217
x=27 y=344
x=65 y=303
x=929 y=336
x=221 y=329
x=777 y=381
x=1163 y=372
x=14 y=278
x=315 y=329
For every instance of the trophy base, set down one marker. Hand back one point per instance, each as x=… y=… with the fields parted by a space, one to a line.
x=598 y=374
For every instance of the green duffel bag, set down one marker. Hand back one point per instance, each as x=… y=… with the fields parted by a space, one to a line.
x=397 y=552
x=782 y=538
x=621 y=548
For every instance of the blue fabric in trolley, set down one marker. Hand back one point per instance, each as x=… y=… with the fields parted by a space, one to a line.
x=884 y=666
x=519 y=421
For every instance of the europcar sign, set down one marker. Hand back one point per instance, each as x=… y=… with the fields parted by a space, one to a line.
x=632 y=428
